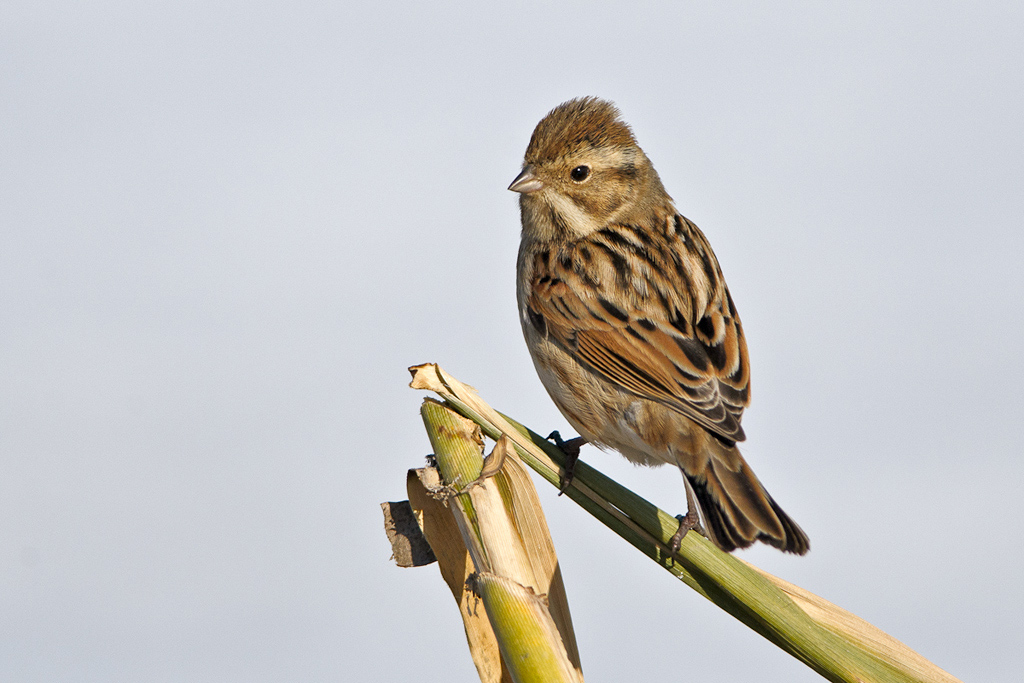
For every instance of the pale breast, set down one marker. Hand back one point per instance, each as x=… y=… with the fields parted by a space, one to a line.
x=601 y=413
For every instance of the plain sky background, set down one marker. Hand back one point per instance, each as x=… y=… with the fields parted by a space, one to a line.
x=226 y=229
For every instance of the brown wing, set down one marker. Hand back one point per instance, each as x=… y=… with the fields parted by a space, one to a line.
x=650 y=312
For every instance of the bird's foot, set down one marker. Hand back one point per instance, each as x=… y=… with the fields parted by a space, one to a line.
x=686 y=522
x=571 y=448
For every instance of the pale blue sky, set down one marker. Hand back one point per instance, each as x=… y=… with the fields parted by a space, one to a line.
x=228 y=228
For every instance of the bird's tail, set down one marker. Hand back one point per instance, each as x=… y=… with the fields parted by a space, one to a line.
x=737 y=511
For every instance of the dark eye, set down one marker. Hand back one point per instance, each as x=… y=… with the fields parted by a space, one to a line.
x=580 y=173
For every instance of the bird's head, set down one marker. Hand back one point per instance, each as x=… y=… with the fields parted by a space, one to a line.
x=583 y=169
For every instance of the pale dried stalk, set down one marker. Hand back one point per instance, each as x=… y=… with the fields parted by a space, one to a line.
x=514 y=565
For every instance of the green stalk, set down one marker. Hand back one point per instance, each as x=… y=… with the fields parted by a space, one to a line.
x=526 y=635
x=830 y=646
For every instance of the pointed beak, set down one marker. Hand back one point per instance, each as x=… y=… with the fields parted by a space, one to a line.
x=526 y=182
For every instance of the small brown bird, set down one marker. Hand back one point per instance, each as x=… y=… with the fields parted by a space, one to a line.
x=630 y=324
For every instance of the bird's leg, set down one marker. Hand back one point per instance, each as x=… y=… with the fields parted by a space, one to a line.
x=571 y=448
x=691 y=520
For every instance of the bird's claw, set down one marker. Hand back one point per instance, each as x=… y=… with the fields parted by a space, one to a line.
x=571 y=448
x=686 y=522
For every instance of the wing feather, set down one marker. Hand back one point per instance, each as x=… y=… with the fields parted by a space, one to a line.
x=674 y=340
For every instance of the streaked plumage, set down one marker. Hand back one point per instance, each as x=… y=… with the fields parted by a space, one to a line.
x=629 y=320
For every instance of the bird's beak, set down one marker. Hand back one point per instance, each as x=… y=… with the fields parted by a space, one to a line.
x=526 y=182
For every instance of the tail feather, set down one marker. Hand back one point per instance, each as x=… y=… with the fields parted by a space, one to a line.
x=737 y=511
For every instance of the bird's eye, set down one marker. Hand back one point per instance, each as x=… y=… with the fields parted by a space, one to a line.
x=580 y=173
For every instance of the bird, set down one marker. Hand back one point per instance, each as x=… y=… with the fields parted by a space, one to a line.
x=631 y=326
